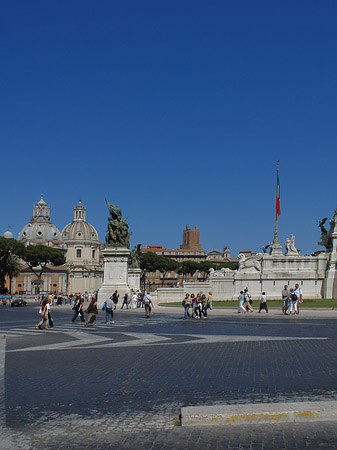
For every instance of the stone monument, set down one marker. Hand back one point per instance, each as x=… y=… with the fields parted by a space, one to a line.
x=116 y=256
x=289 y=244
x=329 y=241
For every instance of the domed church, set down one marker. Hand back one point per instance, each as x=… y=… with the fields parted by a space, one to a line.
x=83 y=270
x=40 y=230
x=83 y=253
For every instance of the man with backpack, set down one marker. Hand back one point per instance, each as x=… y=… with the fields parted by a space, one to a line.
x=147 y=302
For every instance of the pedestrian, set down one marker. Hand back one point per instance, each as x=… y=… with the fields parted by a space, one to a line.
x=241 y=300
x=198 y=307
x=140 y=298
x=134 y=300
x=44 y=314
x=263 y=302
x=109 y=311
x=115 y=297
x=210 y=301
x=248 y=300
x=293 y=302
x=147 y=303
x=78 y=309
x=186 y=304
x=203 y=308
x=125 y=301
x=299 y=295
x=285 y=299
x=92 y=311
x=50 y=319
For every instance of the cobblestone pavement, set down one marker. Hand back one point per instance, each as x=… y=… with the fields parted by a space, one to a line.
x=122 y=385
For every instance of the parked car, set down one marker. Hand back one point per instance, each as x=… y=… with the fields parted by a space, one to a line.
x=18 y=302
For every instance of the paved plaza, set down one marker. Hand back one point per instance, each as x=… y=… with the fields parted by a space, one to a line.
x=121 y=386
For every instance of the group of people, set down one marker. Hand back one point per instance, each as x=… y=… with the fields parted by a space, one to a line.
x=291 y=299
x=198 y=305
x=137 y=299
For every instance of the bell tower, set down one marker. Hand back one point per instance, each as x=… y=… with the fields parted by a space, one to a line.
x=41 y=211
x=80 y=212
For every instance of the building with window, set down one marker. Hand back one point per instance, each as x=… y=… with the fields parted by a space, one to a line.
x=79 y=240
x=83 y=253
x=40 y=230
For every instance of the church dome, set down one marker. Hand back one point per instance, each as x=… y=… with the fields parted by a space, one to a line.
x=8 y=235
x=40 y=230
x=79 y=230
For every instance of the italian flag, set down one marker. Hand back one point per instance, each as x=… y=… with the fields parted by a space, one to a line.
x=278 y=204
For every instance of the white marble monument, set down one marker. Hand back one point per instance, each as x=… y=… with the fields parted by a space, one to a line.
x=115 y=273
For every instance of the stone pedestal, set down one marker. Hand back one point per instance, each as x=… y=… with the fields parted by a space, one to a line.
x=330 y=282
x=115 y=275
x=134 y=278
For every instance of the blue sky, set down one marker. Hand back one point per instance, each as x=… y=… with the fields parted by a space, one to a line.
x=177 y=111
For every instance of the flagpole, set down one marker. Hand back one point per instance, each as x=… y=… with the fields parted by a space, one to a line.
x=276 y=248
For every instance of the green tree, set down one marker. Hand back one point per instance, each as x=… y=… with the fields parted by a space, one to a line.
x=151 y=262
x=148 y=262
x=37 y=257
x=165 y=265
x=228 y=265
x=188 y=267
x=204 y=267
x=9 y=249
x=13 y=269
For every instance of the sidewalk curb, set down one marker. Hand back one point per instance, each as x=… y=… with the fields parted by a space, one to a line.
x=324 y=411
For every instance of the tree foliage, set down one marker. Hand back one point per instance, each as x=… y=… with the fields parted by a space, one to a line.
x=37 y=257
x=151 y=262
x=10 y=250
x=188 y=267
x=204 y=268
x=229 y=265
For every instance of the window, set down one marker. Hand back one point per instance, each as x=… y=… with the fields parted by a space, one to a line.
x=93 y=253
x=78 y=253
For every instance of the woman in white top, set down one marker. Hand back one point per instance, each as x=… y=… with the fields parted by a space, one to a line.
x=134 y=300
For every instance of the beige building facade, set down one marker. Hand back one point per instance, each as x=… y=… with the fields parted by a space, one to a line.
x=83 y=271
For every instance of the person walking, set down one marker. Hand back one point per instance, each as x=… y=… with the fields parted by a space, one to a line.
x=263 y=302
x=147 y=303
x=115 y=297
x=248 y=301
x=285 y=299
x=241 y=300
x=78 y=309
x=109 y=311
x=44 y=314
x=186 y=305
x=134 y=300
x=210 y=301
x=92 y=311
x=50 y=319
x=299 y=294
x=125 y=301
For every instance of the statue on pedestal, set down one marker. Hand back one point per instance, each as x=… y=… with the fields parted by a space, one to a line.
x=321 y=223
x=289 y=244
x=250 y=264
x=134 y=257
x=118 y=230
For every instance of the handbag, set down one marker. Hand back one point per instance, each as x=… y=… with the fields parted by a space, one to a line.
x=104 y=306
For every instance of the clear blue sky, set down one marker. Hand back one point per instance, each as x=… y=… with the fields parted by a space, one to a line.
x=177 y=111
